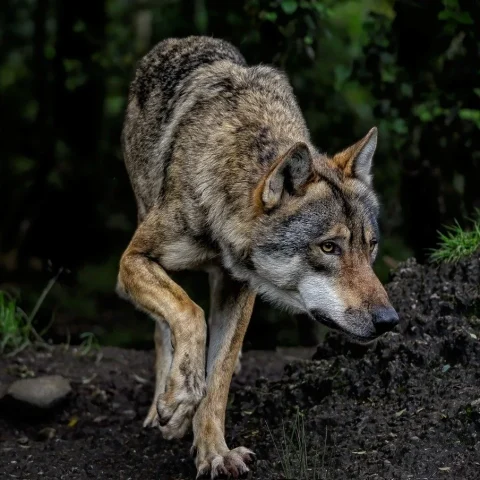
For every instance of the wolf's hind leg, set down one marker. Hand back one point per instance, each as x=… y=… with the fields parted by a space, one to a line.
x=215 y=277
x=163 y=362
x=142 y=279
x=231 y=307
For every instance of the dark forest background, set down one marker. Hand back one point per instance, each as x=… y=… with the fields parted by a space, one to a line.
x=411 y=67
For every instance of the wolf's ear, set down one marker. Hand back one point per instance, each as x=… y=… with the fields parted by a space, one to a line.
x=356 y=161
x=290 y=175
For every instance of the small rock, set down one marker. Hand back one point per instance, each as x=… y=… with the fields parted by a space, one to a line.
x=46 y=433
x=40 y=392
x=414 y=439
x=131 y=414
x=23 y=440
x=100 y=419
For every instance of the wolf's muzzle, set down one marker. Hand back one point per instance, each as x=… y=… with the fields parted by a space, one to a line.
x=384 y=319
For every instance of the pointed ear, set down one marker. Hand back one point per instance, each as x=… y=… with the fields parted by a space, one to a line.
x=290 y=175
x=356 y=161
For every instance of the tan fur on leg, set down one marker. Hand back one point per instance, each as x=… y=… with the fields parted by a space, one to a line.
x=232 y=305
x=147 y=284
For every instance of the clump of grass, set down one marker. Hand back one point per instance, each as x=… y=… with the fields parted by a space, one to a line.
x=296 y=457
x=89 y=343
x=18 y=332
x=457 y=243
x=16 y=327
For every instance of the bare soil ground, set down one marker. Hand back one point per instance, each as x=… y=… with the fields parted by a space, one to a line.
x=407 y=407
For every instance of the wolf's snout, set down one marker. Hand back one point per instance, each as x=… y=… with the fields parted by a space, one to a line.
x=384 y=319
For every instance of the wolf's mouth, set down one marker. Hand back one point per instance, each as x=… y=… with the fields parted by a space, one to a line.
x=323 y=319
x=328 y=322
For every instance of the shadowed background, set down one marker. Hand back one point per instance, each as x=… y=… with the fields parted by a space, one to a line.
x=409 y=67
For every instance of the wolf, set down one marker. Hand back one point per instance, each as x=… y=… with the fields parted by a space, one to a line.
x=227 y=180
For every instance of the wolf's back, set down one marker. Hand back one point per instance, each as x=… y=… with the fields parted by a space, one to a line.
x=168 y=64
x=152 y=111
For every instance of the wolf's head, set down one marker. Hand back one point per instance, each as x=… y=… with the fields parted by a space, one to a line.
x=318 y=238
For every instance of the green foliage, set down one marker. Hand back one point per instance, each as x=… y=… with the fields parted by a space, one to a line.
x=15 y=329
x=89 y=343
x=453 y=15
x=457 y=242
x=470 y=114
x=289 y=6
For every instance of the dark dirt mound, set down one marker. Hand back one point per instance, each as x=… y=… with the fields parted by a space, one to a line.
x=407 y=407
x=409 y=404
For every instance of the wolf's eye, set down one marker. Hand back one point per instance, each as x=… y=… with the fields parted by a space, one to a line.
x=373 y=244
x=330 y=247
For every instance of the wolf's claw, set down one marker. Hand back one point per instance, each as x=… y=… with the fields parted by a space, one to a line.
x=232 y=464
x=151 y=420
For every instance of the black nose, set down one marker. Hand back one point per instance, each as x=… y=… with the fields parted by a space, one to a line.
x=384 y=319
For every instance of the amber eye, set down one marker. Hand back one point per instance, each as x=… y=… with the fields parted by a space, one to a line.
x=330 y=247
x=373 y=244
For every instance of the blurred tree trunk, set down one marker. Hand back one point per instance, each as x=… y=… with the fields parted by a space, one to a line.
x=143 y=27
x=9 y=123
x=440 y=173
x=420 y=176
x=42 y=141
x=79 y=76
x=62 y=207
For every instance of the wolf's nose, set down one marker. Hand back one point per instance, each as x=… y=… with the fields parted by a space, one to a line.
x=384 y=319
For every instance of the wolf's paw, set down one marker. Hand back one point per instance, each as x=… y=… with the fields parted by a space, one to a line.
x=230 y=463
x=151 y=420
x=176 y=407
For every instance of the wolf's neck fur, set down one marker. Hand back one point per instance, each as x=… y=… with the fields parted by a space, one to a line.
x=246 y=118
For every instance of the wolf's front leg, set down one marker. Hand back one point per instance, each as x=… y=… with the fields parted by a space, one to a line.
x=231 y=308
x=181 y=384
